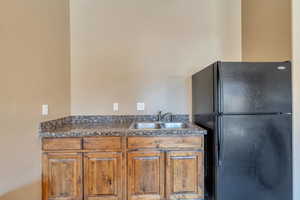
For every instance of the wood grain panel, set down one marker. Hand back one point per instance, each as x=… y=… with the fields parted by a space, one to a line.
x=103 y=176
x=61 y=144
x=184 y=175
x=62 y=176
x=146 y=175
x=102 y=143
x=112 y=164
x=165 y=142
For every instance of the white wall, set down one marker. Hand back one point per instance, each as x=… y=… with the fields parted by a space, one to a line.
x=144 y=51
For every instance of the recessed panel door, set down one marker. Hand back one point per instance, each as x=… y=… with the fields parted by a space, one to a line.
x=62 y=176
x=146 y=175
x=103 y=176
x=184 y=175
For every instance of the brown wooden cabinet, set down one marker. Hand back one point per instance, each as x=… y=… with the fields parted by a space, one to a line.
x=184 y=175
x=103 y=176
x=123 y=168
x=62 y=176
x=146 y=175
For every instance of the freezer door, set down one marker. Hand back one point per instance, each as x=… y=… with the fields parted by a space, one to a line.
x=255 y=87
x=255 y=158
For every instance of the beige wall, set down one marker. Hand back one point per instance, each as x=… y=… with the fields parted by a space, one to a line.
x=125 y=52
x=144 y=51
x=34 y=70
x=296 y=83
x=266 y=30
x=229 y=30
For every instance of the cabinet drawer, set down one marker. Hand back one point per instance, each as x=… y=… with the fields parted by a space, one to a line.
x=102 y=143
x=62 y=144
x=165 y=142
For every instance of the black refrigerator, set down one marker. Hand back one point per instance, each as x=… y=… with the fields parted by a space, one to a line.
x=247 y=110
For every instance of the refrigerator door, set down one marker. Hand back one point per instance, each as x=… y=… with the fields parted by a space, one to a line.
x=255 y=158
x=255 y=87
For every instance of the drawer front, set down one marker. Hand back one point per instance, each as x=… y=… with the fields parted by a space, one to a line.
x=62 y=144
x=102 y=143
x=165 y=142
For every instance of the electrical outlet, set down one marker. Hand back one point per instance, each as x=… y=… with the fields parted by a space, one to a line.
x=140 y=106
x=115 y=106
x=45 y=109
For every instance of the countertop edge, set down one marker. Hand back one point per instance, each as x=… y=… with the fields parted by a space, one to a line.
x=81 y=126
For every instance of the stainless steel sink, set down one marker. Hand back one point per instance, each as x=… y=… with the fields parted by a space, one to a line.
x=159 y=125
x=174 y=125
x=147 y=125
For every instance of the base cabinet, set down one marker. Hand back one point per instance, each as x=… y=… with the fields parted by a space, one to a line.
x=62 y=176
x=156 y=172
x=146 y=175
x=103 y=176
x=184 y=175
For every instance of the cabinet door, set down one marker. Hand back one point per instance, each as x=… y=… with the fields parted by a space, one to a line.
x=62 y=176
x=103 y=176
x=185 y=175
x=146 y=175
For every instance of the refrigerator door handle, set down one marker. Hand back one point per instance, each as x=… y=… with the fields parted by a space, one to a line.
x=219 y=150
x=220 y=142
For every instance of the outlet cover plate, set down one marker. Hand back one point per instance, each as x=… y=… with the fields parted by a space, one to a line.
x=115 y=107
x=45 y=109
x=140 y=106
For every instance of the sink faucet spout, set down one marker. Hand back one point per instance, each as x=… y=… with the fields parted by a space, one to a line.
x=161 y=116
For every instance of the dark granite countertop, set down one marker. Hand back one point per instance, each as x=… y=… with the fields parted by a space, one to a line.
x=80 y=126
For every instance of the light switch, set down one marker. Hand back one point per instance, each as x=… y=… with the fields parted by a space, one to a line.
x=115 y=106
x=140 y=106
x=45 y=109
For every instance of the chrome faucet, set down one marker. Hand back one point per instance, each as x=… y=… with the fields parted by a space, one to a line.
x=161 y=116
